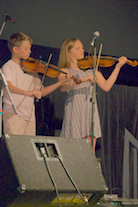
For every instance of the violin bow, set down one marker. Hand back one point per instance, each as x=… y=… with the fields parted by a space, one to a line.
x=99 y=55
x=47 y=64
x=45 y=73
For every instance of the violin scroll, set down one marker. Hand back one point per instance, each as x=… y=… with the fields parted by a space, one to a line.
x=132 y=63
x=76 y=80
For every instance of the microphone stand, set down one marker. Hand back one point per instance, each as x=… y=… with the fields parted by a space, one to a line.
x=93 y=97
x=94 y=91
x=4 y=82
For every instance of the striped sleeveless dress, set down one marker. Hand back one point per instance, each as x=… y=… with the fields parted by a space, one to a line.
x=78 y=109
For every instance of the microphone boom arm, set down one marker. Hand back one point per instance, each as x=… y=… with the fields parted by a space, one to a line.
x=4 y=23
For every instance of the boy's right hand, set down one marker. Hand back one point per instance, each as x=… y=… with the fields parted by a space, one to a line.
x=35 y=93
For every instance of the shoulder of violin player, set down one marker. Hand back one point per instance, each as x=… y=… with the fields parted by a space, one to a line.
x=66 y=72
x=64 y=69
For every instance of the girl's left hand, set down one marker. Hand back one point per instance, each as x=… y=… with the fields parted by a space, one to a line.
x=122 y=60
x=64 y=78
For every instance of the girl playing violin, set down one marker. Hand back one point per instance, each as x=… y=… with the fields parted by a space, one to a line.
x=23 y=87
x=78 y=105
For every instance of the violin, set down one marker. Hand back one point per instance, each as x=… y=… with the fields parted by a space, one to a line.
x=39 y=66
x=105 y=61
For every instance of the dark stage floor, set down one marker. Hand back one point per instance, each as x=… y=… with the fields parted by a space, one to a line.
x=119 y=202
x=100 y=205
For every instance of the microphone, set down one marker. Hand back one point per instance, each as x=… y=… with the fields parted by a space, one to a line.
x=96 y=35
x=7 y=17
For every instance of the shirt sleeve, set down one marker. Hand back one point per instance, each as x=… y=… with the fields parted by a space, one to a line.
x=7 y=71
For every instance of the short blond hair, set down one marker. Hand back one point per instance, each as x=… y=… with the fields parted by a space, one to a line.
x=64 y=58
x=16 y=40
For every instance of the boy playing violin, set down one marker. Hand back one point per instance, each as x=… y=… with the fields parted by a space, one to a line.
x=23 y=88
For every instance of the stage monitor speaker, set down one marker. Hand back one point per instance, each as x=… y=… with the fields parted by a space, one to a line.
x=46 y=171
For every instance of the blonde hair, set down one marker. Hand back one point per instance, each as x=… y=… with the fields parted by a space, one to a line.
x=16 y=40
x=64 y=58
